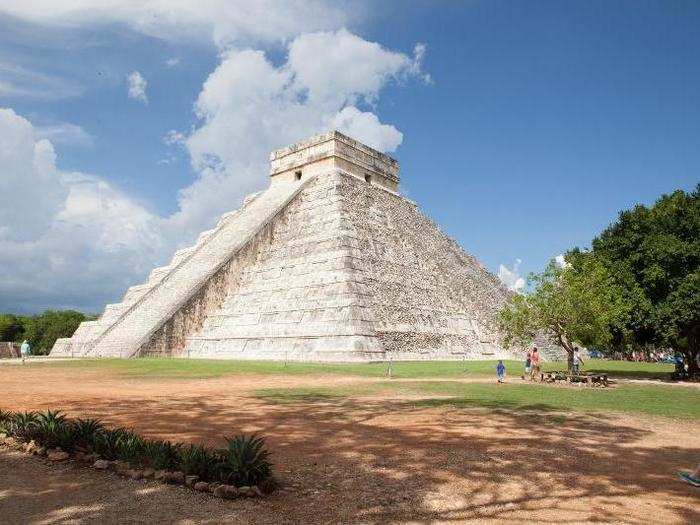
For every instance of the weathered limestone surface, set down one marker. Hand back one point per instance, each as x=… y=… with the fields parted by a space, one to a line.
x=328 y=264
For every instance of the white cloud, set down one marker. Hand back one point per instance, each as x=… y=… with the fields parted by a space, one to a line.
x=136 y=85
x=248 y=106
x=511 y=276
x=222 y=22
x=69 y=239
x=19 y=82
x=356 y=123
x=65 y=133
x=76 y=240
x=172 y=62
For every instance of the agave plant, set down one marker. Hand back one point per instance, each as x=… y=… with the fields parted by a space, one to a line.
x=6 y=421
x=198 y=461
x=106 y=443
x=130 y=447
x=245 y=461
x=162 y=455
x=52 y=429
x=85 y=432
x=23 y=425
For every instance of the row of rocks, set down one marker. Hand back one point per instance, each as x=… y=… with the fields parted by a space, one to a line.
x=123 y=468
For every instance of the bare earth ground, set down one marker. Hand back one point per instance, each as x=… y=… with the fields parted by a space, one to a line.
x=375 y=459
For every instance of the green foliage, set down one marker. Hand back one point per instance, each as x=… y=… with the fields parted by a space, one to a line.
x=245 y=461
x=196 y=460
x=85 y=432
x=130 y=447
x=40 y=330
x=52 y=430
x=162 y=455
x=11 y=328
x=23 y=424
x=580 y=302
x=106 y=443
x=654 y=253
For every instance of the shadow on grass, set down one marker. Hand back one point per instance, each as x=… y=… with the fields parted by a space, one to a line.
x=632 y=374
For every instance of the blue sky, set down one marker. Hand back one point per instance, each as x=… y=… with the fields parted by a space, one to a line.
x=526 y=126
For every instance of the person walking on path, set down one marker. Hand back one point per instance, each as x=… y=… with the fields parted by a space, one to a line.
x=691 y=477
x=500 y=371
x=577 y=361
x=25 y=350
x=535 y=365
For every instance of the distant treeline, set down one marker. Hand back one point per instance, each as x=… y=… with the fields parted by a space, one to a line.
x=41 y=330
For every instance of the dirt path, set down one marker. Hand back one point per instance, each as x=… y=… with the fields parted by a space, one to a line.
x=378 y=459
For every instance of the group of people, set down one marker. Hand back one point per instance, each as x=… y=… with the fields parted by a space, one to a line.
x=532 y=365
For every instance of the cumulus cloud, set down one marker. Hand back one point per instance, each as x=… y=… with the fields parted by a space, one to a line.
x=69 y=239
x=356 y=123
x=222 y=22
x=511 y=276
x=248 y=106
x=79 y=241
x=172 y=62
x=136 y=87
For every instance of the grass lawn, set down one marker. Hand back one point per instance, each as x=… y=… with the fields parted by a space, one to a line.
x=669 y=401
x=206 y=368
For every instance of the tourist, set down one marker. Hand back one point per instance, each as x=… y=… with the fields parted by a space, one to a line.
x=535 y=365
x=528 y=362
x=500 y=371
x=691 y=477
x=577 y=361
x=24 y=350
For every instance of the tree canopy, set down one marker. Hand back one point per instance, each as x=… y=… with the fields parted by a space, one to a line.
x=574 y=303
x=654 y=254
x=639 y=285
x=40 y=330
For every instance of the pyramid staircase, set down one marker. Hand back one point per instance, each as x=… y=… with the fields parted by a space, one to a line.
x=124 y=327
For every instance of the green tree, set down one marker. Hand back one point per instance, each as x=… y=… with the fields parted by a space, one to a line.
x=11 y=328
x=654 y=254
x=579 y=303
x=42 y=330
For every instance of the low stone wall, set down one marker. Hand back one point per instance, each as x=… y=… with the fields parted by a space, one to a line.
x=9 y=350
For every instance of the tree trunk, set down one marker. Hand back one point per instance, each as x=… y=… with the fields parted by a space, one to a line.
x=691 y=357
x=566 y=344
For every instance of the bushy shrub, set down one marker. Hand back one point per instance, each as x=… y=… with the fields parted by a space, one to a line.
x=245 y=461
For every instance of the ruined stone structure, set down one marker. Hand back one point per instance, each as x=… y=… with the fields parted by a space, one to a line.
x=329 y=263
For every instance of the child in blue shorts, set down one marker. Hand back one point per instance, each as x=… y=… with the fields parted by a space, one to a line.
x=500 y=371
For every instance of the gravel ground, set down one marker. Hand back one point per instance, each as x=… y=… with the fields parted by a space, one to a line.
x=377 y=459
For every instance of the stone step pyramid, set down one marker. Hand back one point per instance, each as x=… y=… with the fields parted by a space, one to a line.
x=330 y=263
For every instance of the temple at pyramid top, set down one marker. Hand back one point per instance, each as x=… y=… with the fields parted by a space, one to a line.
x=321 y=153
